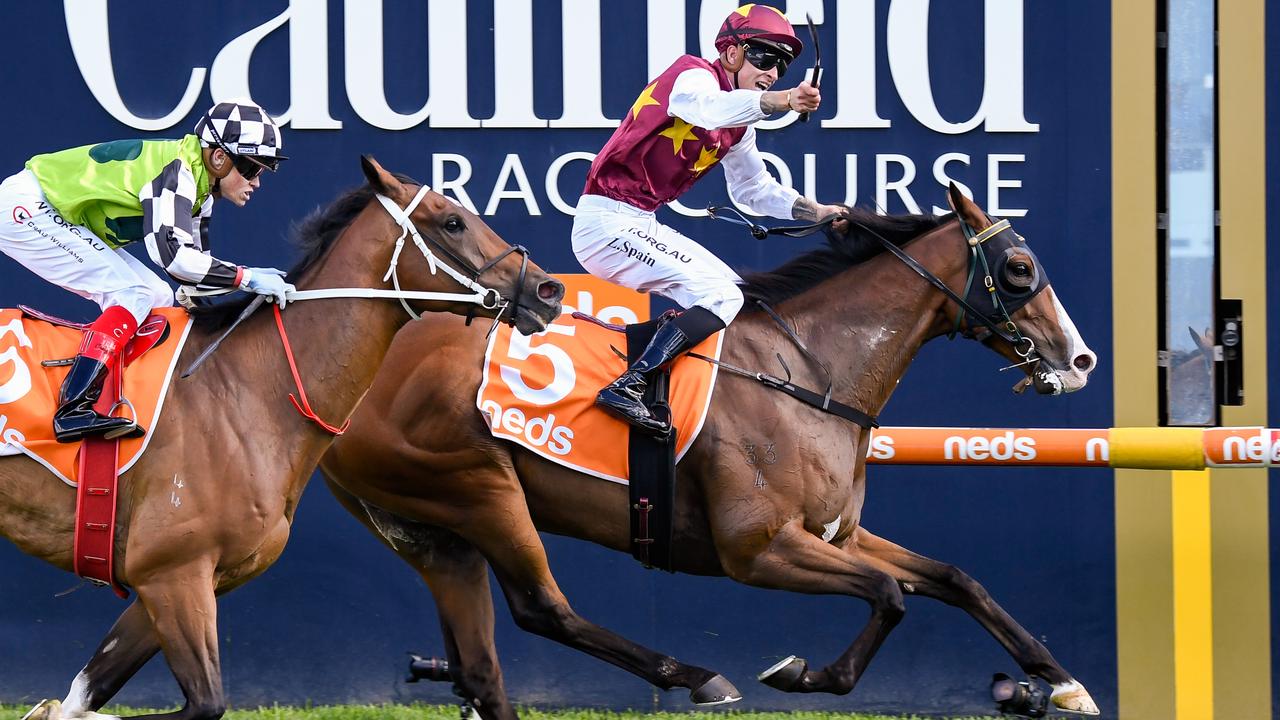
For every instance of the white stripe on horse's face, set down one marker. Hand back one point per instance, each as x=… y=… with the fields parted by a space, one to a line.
x=1072 y=377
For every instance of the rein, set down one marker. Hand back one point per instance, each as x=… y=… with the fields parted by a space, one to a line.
x=1006 y=330
x=824 y=402
x=485 y=297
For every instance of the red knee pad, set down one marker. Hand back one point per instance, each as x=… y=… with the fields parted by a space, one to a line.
x=108 y=334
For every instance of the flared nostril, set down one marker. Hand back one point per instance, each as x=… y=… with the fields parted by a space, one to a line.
x=551 y=290
x=1083 y=362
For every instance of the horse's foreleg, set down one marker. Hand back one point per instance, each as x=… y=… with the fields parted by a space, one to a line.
x=459 y=579
x=131 y=642
x=183 y=613
x=798 y=561
x=538 y=606
x=920 y=575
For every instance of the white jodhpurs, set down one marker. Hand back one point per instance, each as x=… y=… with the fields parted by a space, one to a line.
x=628 y=246
x=36 y=235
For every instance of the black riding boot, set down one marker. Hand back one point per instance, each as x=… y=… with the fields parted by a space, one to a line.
x=624 y=397
x=76 y=417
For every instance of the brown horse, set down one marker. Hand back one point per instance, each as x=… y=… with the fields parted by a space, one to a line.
x=209 y=506
x=422 y=470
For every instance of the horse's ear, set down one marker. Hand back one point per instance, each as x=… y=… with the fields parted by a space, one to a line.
x=381 y=180
x=967 y=209
x=1203 y=342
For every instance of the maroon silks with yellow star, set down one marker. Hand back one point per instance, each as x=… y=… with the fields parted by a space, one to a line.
x=653 y=158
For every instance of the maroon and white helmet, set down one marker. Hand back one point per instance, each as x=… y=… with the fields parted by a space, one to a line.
x=759 y=23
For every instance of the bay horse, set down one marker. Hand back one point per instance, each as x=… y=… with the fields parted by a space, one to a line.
x=209 y=506
x=421 y=469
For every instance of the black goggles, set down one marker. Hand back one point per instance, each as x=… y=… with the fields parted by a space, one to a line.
x=765 y=58
x=250 y=167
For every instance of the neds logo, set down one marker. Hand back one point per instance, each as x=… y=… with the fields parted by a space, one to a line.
x=1256 y=448
x=1006 y=446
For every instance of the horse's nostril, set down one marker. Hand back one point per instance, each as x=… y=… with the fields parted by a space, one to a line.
x=551 y=290
x=1083 y=363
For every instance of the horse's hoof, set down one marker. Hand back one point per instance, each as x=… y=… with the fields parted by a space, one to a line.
x=716 y=691
x=45 y=710
x=1071 y=697
x=784 y=674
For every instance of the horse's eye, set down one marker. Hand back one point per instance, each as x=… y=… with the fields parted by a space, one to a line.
x=1019 y=274
x=454 y=224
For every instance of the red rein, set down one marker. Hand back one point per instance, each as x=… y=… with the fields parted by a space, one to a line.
x=304 y=407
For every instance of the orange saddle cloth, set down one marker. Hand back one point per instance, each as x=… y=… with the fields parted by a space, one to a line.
x=29 y=390
x=539 y=391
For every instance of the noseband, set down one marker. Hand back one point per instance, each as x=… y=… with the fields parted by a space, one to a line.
x=468 y=277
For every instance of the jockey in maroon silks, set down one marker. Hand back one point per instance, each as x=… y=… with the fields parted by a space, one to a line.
x=694 y=115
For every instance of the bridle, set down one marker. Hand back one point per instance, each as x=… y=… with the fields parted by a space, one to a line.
x=998 y=321
x=998 y=238
x=480 y=295
x=469 y=275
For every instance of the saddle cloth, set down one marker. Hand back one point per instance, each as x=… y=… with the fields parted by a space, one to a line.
x=29 y=391
x=539 y=391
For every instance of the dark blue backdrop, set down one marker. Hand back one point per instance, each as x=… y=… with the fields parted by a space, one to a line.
x=331 y=621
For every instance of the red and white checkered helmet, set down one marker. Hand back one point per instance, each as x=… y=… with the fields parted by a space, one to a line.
x=759 y=23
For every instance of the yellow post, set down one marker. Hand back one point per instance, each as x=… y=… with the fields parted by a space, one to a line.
x=1144 y=502
x=1192 y=596
x=1241 y=582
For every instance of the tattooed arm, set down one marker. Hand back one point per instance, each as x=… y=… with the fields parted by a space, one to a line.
x=807 y=210
x=775 y=101
x=801 y=98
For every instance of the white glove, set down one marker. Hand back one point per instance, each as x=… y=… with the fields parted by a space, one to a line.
x=269 y=281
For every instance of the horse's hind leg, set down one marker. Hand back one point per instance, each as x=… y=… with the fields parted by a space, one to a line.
x=921 y=576
x=798 y=561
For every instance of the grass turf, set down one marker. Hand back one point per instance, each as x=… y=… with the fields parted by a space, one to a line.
x=450 y=712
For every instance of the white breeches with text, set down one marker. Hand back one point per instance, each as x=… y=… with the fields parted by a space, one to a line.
x=71 y=256
x=628 y=246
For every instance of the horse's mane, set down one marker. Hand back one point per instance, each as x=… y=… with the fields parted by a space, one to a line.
x=840 y=253
x=313 y=236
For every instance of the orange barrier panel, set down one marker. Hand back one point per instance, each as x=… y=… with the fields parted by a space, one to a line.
x=1150 y=448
